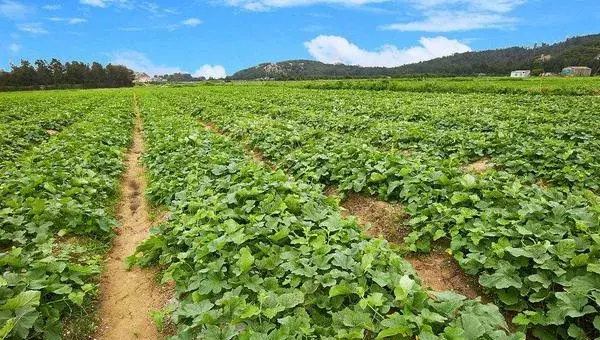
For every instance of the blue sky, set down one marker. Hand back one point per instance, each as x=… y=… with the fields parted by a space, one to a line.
x=211 y=37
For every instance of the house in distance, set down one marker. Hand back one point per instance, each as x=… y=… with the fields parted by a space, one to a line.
x=520 y=74
x=577 y=71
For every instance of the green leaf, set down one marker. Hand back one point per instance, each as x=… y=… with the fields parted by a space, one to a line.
x=77 y=297
x=509 y=296
x=373 y=300
x=593 y=268
x=195 y=309
x=246 y=260
x=393 y=325
x=505 y=276
x=313 y=212
x=580 y=260
x=341 y=289
x=250 y=311
x=213 y=332
x=291 y=300
x=404 y=288
x=8 y=326
x=472 y=326
x=22 y=300
x=468 y=181
x=576 y=332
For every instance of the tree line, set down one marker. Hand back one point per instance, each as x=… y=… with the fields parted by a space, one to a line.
x=54 y=74
x=577 y=51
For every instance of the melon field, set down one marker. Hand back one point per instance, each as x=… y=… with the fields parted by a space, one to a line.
x=302 y=210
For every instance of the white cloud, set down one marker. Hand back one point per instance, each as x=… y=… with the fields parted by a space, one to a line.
x=500 y=6
x=149 y=6
x=74 y=21
x=95 y=3
x=210 y=71
x=139 y=62
x=14 y=47
x=71 y=21
x=54 y=7
x=437 y=15
x=192 y=22
x=449 y=21
x=263 y=5
x=460 y=15
x=130 y=29
x=33 y=28
x=12 y=9
x=335 y=49
x=128 y=4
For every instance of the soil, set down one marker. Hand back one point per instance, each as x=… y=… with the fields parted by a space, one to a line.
x=383 y=219
x=127 y=297
x=437 y=270
x=51 y=132
x=257 y=156
x=212 y=127
x=440 y=272
x=543 y=184
x=479 y=166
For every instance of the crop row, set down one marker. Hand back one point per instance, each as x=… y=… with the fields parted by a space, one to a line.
x=540 y=86
x=55 y=203
x=33 y=119
x=555 y=139
x=255 y=254
x=536 y=248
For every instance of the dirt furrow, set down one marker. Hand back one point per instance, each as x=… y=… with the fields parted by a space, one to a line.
x=438 y=269
x=126 y=297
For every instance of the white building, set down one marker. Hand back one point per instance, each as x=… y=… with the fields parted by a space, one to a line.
x=577 y=71
x=520 y=74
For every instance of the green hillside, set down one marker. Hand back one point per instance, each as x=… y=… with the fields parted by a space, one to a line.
x=581 y=51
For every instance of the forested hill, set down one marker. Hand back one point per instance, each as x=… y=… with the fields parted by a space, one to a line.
x=579 y=51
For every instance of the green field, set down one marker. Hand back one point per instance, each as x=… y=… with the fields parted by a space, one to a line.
x=503 y=175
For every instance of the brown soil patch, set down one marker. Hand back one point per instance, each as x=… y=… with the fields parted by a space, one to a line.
x=479 y=166
x=439 y=271
x=158 y=215
x=51 y=132
x=543 y=184
x=257 y=156
x=127 y=297
x=212 y=127
x=384 y=219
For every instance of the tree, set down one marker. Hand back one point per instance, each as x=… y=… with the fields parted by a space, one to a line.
x=23 y=75
x=58 y=71
x=44 y=73
x=76 y=72
x=117 y=76
x=71 y=73
x=97 y=76
x=4 y=78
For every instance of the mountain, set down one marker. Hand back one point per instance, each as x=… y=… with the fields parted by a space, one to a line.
x=579 y=51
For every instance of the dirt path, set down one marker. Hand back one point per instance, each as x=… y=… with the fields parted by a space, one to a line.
x=126 y=297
